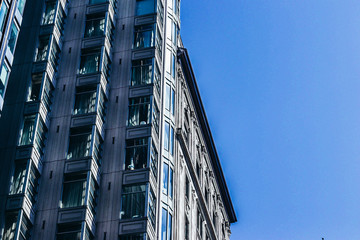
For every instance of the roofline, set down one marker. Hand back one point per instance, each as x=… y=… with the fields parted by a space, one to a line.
x=183 y=56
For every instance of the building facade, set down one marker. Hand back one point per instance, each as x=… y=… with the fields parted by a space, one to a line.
x=103 y=132
x=11 y=12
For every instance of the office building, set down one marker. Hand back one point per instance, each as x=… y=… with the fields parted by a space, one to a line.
x=103 y=131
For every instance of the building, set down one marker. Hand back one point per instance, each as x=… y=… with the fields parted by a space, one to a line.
x=103 y=132
x=10 y=22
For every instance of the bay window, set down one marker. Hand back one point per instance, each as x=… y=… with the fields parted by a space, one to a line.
x=42 y=49
x=10 y=226
x=80 y=143
x=133 y=201
x=74 y=191
x=49 y=13
x=21 y=5
x=139 y=111
x=144 y=36
x=141 y=72
x=95 y=26
x=152 y=208
x=154 y=160
x=136 y=153
x=90 y=62
x=27 y=131
x=18 y=178
x=32 y=183
x=85 y=100
x=144 y=7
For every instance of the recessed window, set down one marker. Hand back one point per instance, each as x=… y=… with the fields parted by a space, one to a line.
x=90 y=62
x=139 y=236
x=74 y=191
x=141 y=72
x=27 y=132
x=168 y=138
x=69 y=231
x=133 y=201
x=199 y=223
x=42 y=49
x=144 y=7
x=14 y=31
x=170 y=99
x=187 y=188
x=166 y=225
x=95 y=26
x=18 y=178
x=144 y=36
x=139 y=111
x=49 y=13
x=136 y=153
x=79 y=144
x=85 y=100
x=187 y=229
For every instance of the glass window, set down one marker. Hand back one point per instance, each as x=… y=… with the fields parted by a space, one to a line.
x=25 y=228
x=21 y=5
x=174 y=33
x=49 y=13
x=13 y=37
x=3 y=14
x=152 y=208
x=172 y=101
x=159 y=43
x=187 y=229
x=167 y=96
x=93 y=192
x=42 y=49
x=139 y=236
x=34 y=89
x=160 y=10
x=95 y=26
x=18 y=179
x=136 y=153
x=74 y=191
x=141 y=72
x=139 y=111
x=173 y=63
x=144 y=36
x=90 y=62
x=46 y=96
x=85 y=100
x=10 y=226
x=187 y=188
x=33 y=183
x=144 y=7
x=98 y=1
x=80 y=144
x=3 y=78
x=133 y=201
x=166 y=225
x=165 y=188
x=171 y=182
x=171 y=144
x=156 y=117
x=157 y=78
x=69 y=231
x=40 y=137
x=199 y=223
x=166 y=136
x=27 y=132
x=54 y=54
x=154 y=160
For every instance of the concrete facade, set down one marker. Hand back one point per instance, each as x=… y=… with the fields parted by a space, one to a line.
x=103 y=133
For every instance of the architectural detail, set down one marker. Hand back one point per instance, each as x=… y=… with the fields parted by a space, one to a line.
x=103 y=131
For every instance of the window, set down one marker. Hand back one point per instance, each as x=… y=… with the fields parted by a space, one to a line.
x=25 y=228
x=133 y=201
x=54 y=55
x=10 y=226
x=139 y=111
x=170 y=99
x=49 y=13
x=156 y=117
x=69 y=231
x=46 y=95
x=85 y=100
x=18 y=178
x=90 y=62
x=93 y=190
x=80 y=143
x=74 y=191
x=187 y=188
x=27 y=132
x=144 y=7
x=159 y=43
x=144 y=36
x=97 y=1
x=95 y=26
x=33 y=183
x=139 y=236
x=21 y=5
x=168 y=176
x=141 y=72
x=3 y=77
x=152 y=208
x=14 y=31
x=173 y=63
x=199 y=225
x=154 y=161
x=169 y=138
x=187 y=229
x=214 y=220
x=160 y=10
x=42 y=49
x=3 y=15
x=166 y=225
x=34 y=89
x=136 y=153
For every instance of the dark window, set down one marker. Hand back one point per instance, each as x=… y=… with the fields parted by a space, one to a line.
x=144 y=7
x=85 y=100
x=74 y=191
x=95 y=26
x=141 y=72
x=136 y=153
x=10 y=226
x=3 y=77
x=42 y=49
x=69 y=231
x=14 y=31
x=49 y=13
x=27 y=131
x=33 y=183
x=139 y=236
x=152 y=208
x=139 y=111
x=144 y=36
x=187 y=235
x=133 y=201
x=154 y=160
x=90 y=62
x=187 y=188
x=79 y=144
x=18 y=179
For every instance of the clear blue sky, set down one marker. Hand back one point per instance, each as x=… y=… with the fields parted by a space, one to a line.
x=280 y=81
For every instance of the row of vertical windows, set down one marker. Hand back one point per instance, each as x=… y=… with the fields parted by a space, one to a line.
x=166 y=225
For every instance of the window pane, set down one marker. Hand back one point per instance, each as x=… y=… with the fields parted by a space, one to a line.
x=79 y=146
x=170 y=227
x=144 y=7
x=3 y=78
x=164 y=214
x=165 y=179
x=73 y=194
x=172 y=101
x=154 y=161
x=173 y=61
x=140 y=236
x=171 y=183
x=34 y=89
x=13 y=37
x=3 y=15
x=17 y=180
x=33 y=182
x=49 y=13
x=133 y=201
x=139 y=111
x=152 y=208
x=10 y=226
x=85 y=102
x=172 y=141
x=97 y=1
x=27 y=131
x=90 y=63
x=167 y=97
x=95 y=27
x=21 y=5
x=144 y=36
x=166 y=136
x=42 y=50
x=141 y=72
x=69 y=236
x=136 y=153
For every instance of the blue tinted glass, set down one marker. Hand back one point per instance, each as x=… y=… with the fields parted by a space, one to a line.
x=145 y=7
x=3 y=13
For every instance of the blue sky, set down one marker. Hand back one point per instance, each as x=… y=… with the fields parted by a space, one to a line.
x=280 y=81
